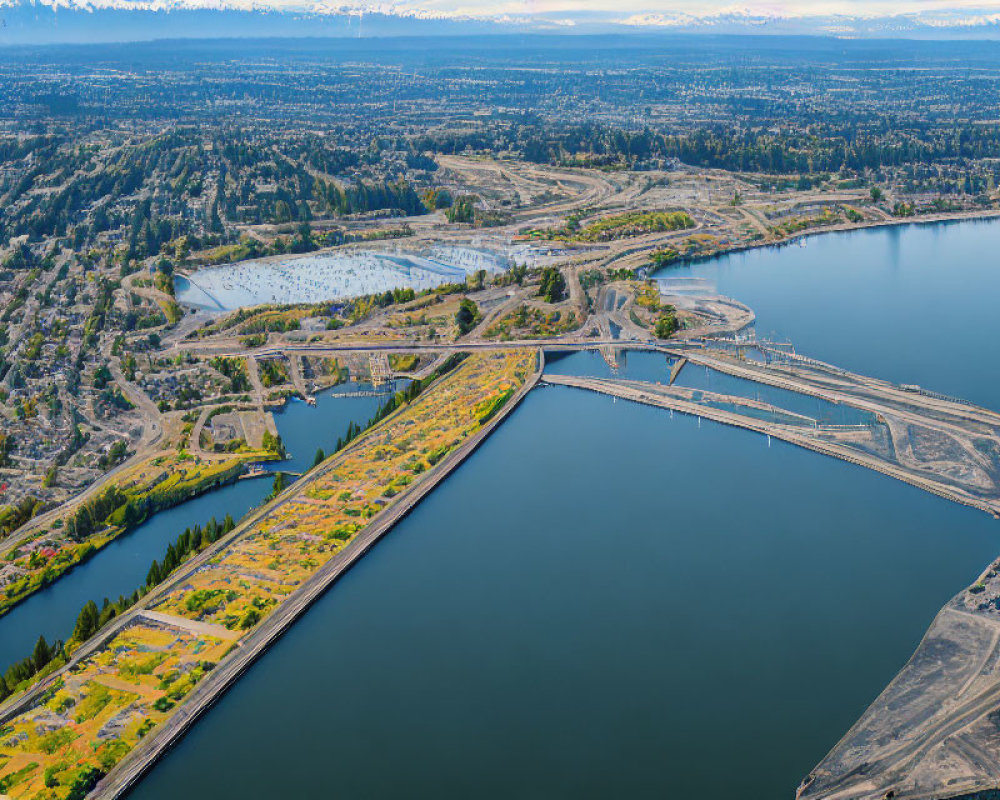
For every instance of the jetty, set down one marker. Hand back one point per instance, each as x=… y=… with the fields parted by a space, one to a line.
x=940 y=445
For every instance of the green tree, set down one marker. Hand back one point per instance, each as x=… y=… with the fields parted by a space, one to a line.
x=86 y=622
x=250 y=618
x=553 y=287
x=319 y=458
x=467 y=316
x=155 y=574
x=273 y=444
x=463 y=209
x=282 y=212
x=42 y=654
x=84 y=782
x=667 y=324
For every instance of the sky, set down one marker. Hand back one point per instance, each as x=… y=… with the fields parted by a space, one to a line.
x=667 y=12
x=652 y=14
x=710 y=7
x=651 y=9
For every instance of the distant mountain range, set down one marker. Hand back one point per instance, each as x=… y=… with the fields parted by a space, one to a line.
x=58 y=21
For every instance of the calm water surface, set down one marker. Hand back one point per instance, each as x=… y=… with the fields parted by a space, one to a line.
x=602 y=602
x=656 y=367
x=605 y=601
x=914 y=304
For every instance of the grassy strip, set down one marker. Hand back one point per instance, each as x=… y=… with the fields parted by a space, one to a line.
x=132 y=681
x=45 y=659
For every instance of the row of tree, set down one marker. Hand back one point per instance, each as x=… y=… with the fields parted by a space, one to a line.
x=92 y=618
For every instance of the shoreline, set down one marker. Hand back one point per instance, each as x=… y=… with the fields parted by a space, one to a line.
x=776 y=430
x=229 y=477
x=942 y=218
x=843 y=227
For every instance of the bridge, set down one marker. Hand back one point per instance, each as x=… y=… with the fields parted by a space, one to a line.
x=382 y=392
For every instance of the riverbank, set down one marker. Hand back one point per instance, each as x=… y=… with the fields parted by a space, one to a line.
x=122 y=779
x=119 y=568
x=837 y=442
x=837 y=557
x=931 y=734
x=35 y=559
x=984 y=215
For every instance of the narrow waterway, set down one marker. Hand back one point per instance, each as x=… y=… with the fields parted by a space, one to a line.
x=121 y=567
x=656 y=367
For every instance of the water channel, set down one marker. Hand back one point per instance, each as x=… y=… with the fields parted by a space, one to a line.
x=121 y=567
x=913 y=304
x=605 y=601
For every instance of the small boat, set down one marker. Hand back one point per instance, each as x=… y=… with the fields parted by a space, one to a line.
x=310 y=400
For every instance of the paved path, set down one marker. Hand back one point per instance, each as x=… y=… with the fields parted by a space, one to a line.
x=253 y=371
x=189 y=625
x=295 y=374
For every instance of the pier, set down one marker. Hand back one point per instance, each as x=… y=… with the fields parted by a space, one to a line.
x=931 y=443
x=675 y=371
x=364 y=392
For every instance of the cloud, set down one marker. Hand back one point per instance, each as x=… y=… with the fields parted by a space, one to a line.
x=707 y=8
x=635 y=13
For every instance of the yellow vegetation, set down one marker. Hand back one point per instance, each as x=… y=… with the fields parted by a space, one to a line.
x=87 y=719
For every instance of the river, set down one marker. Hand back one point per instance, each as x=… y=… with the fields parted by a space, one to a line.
x=607 y=601
x=121 y=567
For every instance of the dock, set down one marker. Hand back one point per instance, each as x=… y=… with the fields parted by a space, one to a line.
x=676 y=369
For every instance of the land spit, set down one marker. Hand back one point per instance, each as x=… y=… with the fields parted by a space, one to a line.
x=934 y=732
x=234 y=650
x=942 y=446
x=939 y=444
x=124 y=776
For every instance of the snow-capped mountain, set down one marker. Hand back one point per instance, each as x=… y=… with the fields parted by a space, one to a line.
x=54 y=21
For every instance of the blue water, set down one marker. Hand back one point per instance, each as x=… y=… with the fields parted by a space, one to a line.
x=602 y=602
x=913 y=304
x=605 y=601
x=655 y=368
x=305 y=428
